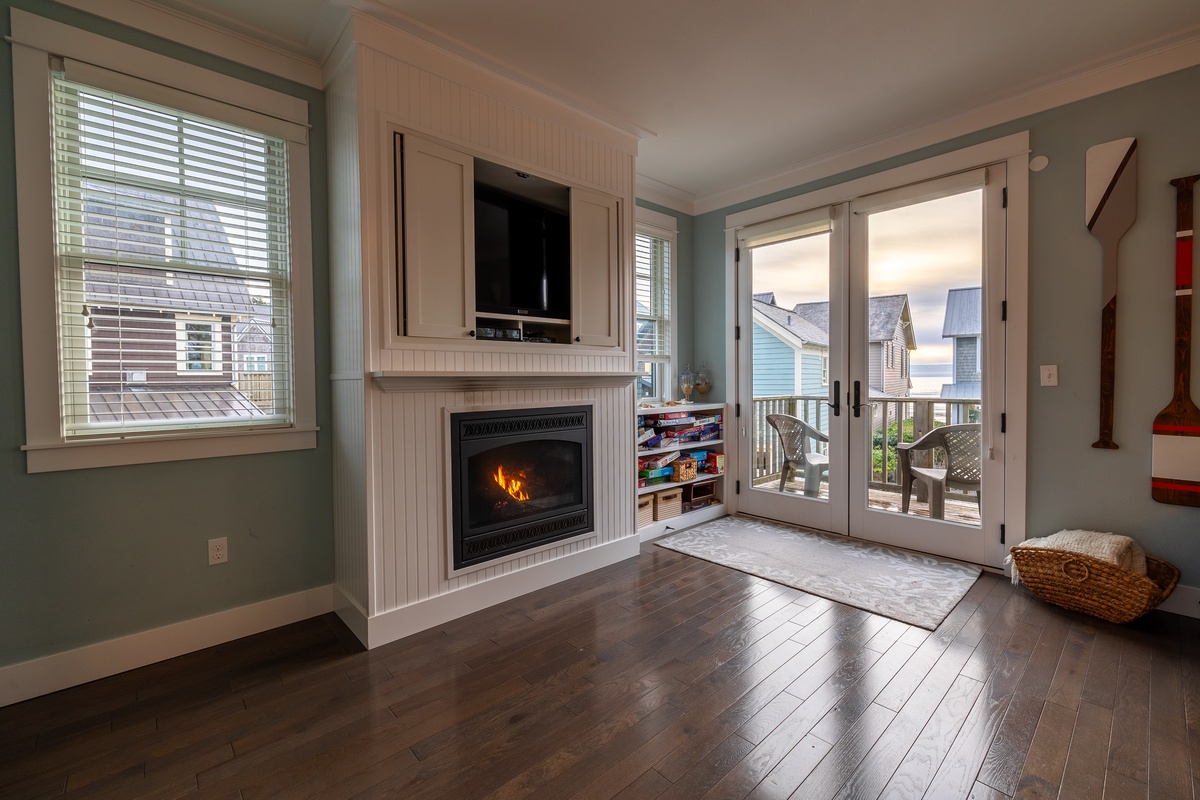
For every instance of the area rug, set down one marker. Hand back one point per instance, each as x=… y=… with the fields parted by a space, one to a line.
x=913 y=588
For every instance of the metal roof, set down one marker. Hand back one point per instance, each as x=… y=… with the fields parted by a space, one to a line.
x=109 y=403
x=963 y=312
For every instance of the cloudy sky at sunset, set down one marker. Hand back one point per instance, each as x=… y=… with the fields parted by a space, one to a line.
x=922 y=250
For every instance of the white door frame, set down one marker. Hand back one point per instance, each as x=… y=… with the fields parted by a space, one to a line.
x=1013 y=150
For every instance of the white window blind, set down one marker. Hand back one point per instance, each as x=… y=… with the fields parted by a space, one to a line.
x=174 y=273
x=652 y=269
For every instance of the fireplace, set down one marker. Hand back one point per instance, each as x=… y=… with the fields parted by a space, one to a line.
x=520 y=479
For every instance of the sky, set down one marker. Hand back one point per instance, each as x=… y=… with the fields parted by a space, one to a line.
x=921 y=250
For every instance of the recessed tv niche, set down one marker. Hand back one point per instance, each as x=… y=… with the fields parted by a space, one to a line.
x=522 y=244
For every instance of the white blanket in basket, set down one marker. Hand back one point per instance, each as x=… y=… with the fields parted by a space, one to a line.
x=1111 y=547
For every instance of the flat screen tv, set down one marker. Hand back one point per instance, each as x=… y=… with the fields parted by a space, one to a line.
x=522 y=257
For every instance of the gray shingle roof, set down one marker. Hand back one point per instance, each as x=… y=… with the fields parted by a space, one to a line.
x=885 y=314
x=795 y=324
x=963 y=312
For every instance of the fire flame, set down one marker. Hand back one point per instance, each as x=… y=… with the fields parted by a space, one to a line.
x=510 y=484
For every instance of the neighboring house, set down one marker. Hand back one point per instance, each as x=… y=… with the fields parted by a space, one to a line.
x=891 y=340
x=791 y=355
x=963 y=326
x=162 y=344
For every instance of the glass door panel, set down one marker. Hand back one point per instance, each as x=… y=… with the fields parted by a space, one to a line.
x=922 y=425
x=792 y=434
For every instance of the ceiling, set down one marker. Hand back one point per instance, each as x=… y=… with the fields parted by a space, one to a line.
x=727 y=94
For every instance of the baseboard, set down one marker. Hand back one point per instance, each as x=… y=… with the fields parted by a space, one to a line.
x=40 y=676
x=393 y=625
x=1185 y=600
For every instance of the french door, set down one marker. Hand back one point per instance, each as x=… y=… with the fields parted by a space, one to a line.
x=871 y=366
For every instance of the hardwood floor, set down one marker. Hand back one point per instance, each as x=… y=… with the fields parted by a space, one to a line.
x=660 y=677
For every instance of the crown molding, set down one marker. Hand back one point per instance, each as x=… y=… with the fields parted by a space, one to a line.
x=252 y=50
x=1134 y=65
x=665 y=195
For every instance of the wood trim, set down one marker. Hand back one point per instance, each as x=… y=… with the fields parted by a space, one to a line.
x=91 y=662
x=481 y=381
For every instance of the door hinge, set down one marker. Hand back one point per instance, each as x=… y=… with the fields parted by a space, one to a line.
x=737 y=409
x=737 y=332
x=1004 y=197
x=737 y=254
x=1004 y=423
x=1004 y=311
x=737 y=487
x=1001 y=533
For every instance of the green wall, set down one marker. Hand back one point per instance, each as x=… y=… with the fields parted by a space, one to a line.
x=90 y=555
x=1070 y=484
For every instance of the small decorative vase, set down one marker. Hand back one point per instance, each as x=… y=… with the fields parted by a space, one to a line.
x=687 y=383
x=703 y=382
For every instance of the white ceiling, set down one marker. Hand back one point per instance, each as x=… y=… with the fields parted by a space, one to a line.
x=731 y=93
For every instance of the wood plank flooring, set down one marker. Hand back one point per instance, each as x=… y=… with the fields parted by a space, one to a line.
x=659 y=677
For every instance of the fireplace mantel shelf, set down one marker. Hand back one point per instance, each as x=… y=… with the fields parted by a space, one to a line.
x=437 y=381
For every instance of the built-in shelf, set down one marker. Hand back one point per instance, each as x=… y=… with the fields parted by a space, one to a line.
x=653 y=529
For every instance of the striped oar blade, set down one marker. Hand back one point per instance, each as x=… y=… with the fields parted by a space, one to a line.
x=1175 y=465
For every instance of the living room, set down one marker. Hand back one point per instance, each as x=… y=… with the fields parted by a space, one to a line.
x=107 y=566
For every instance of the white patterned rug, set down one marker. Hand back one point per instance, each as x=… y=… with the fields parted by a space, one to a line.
x=913 y=588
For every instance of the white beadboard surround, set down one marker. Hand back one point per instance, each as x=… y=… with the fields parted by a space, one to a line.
x=391 y=392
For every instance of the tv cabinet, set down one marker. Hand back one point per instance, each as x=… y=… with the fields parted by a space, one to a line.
x=436 y=231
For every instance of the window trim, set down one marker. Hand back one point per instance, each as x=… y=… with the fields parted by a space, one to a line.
x=216 y=344
x=34 y=39
x=662 y=226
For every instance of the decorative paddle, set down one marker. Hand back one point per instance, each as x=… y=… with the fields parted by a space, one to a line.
x=1111 y=194
x=1175 y=464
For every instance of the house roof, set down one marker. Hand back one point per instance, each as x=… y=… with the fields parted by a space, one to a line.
x=113 y=286
x=963 y=312
x=885 y=314
x=967 y=390
x=766 y=297
x=153 y=404
x=793 y=323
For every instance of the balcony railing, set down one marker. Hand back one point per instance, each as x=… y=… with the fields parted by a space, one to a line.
x=892 y=420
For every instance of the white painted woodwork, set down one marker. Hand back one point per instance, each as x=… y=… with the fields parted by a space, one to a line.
x=438 y=231
x=595 y=276
x=391 y=392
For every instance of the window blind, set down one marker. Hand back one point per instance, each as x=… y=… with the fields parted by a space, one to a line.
x=652 y=260
x=173 y=268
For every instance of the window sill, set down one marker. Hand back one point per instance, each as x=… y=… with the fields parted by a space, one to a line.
x=113 y=453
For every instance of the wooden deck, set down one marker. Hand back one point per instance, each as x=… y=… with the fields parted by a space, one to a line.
x=659 y=677
x=962 y=510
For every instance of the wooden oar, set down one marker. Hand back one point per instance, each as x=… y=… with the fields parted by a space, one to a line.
x=1175 y=464
x=1111 y=208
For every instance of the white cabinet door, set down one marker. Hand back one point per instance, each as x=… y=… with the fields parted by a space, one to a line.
x=595 y=268
x=437 y=225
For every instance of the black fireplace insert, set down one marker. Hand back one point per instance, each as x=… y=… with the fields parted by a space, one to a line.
x=520 y=478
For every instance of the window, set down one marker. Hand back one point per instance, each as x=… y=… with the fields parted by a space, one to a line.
x=176 y=271
x=654 y=245
x=199 y=345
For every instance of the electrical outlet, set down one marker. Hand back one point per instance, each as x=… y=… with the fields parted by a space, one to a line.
x=218 y=551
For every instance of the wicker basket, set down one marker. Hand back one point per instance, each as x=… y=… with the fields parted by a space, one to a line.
x=1082 y=583
x=685 y=470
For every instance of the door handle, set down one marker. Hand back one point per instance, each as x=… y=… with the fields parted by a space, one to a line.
x=836 y=405
x=857 y=404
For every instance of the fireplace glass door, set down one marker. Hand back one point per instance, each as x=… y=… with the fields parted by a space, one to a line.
x=521 y=479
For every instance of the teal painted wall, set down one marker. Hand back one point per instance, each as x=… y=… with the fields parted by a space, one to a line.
x=1070 y=484
x=90 y=555
x=774 y=365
